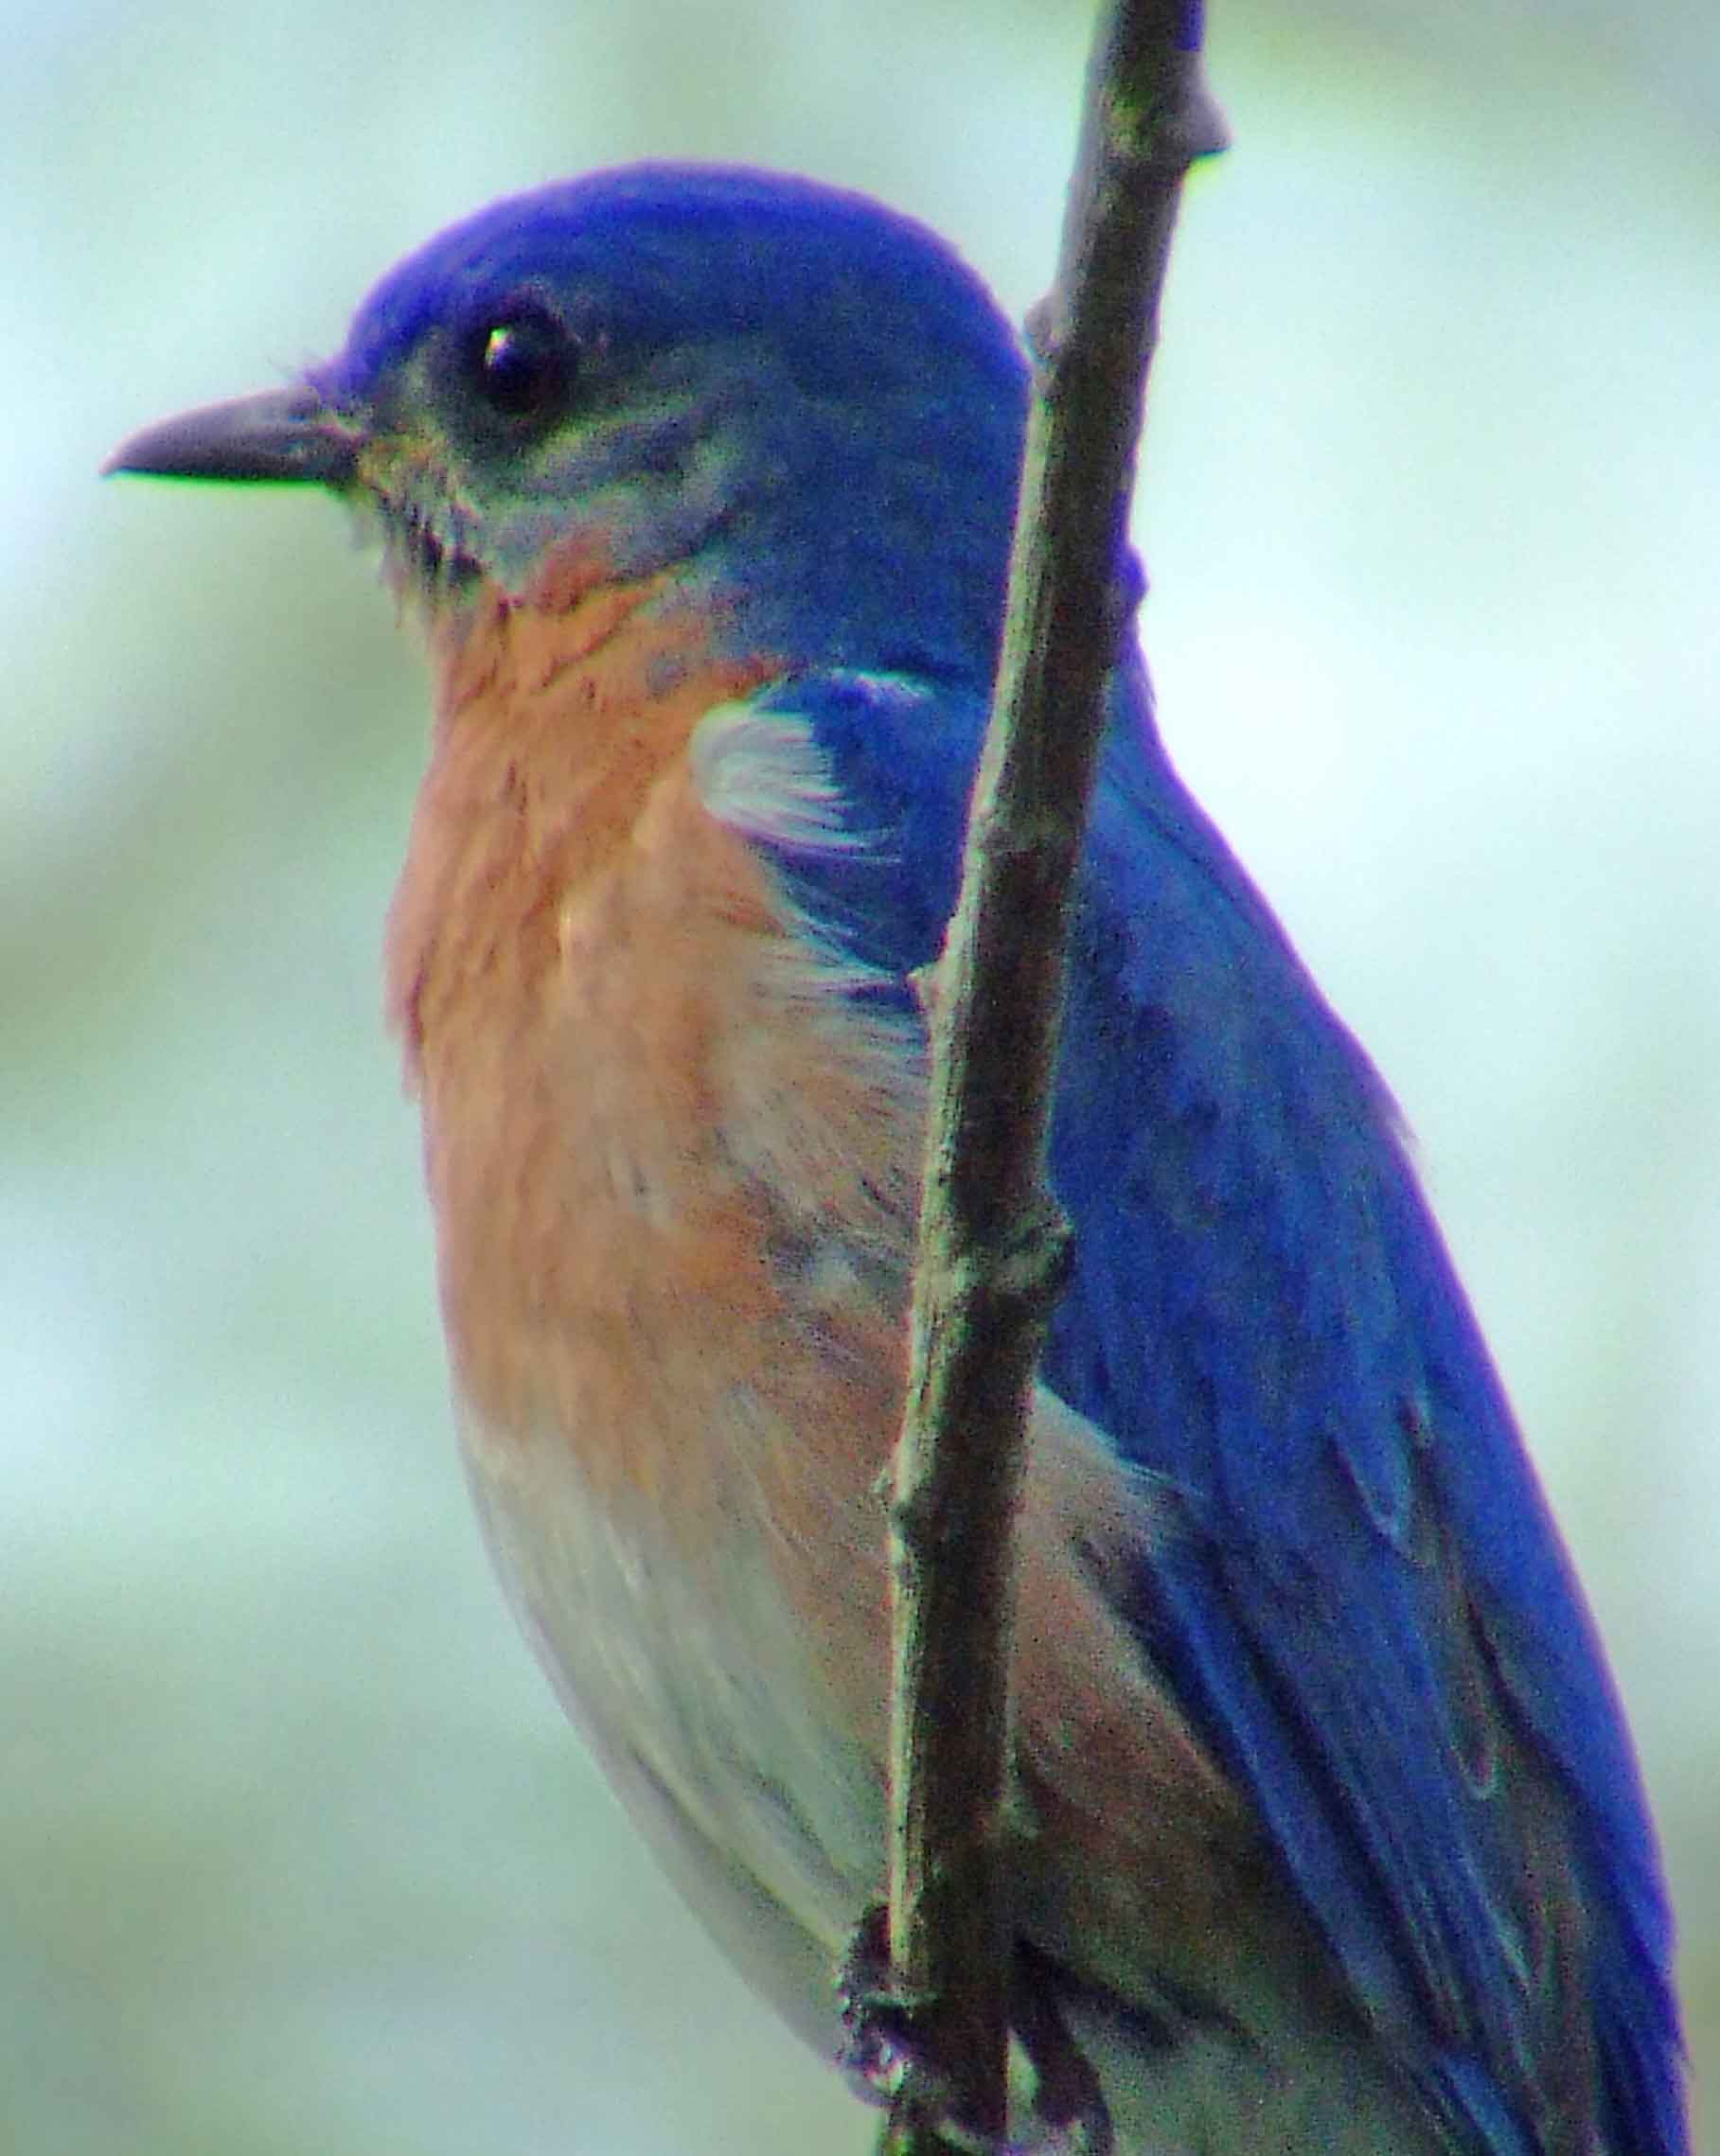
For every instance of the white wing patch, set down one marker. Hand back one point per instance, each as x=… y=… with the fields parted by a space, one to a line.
x=761 y=771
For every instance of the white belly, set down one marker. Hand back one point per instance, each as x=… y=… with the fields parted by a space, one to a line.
x=698 y=1698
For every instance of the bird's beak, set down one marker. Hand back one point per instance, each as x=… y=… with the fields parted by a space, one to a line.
x=285 y=435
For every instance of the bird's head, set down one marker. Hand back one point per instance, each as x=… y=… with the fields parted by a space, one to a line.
x=800 y=402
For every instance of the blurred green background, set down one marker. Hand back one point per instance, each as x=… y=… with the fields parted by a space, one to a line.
x=294 y=1853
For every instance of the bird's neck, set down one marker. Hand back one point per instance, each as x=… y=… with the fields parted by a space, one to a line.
x=556 y=716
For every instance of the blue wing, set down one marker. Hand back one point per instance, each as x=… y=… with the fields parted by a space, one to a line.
x=1368 y=1612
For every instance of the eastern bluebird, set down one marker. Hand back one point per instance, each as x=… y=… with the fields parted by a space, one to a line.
x=700 y=482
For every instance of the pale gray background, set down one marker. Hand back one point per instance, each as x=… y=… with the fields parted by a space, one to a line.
x=295 y=1855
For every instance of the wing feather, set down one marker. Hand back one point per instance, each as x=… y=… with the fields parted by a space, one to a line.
x=1367 y=1610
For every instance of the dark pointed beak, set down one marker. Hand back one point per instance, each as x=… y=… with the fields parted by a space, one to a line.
x=285 y=435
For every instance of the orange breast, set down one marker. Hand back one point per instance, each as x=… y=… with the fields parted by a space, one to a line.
x=660 y=1163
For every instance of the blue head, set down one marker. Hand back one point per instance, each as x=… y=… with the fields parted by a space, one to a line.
x=804 y=401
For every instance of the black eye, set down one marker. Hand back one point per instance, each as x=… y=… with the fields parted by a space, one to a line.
x=522 y=364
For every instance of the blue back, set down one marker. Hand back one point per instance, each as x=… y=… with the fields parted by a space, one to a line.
x=1368 y=1611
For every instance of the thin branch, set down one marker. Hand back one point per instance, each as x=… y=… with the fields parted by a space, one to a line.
x=992 y=1243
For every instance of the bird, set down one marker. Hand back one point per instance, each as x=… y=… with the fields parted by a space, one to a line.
x=698 y=481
